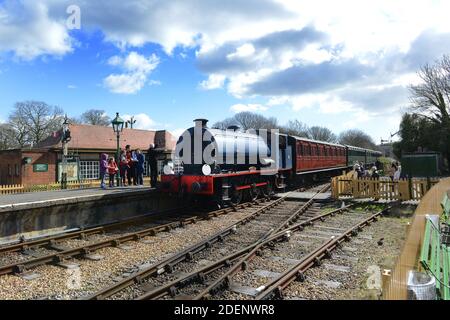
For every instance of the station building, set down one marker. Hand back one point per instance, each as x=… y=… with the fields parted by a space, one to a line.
x=42 y=164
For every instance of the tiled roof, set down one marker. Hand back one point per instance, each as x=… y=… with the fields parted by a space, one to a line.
x=103 y=138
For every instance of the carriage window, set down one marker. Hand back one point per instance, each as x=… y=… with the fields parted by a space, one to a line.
x=326 y=152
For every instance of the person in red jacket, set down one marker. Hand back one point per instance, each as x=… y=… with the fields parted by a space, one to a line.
x=112 y=170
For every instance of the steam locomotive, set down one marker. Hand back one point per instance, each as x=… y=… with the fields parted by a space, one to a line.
x=228 y=166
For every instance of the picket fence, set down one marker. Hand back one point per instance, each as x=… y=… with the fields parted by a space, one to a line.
x=381 y=189
x=19 y=188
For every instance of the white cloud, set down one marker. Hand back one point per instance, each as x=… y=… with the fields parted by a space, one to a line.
x=246 y=50
x=154 y=82
x=136 y=68
x=71 y=86
x=28 y=30
x=249 y=46
x=143 y=121
x=214 y=81
x=247 y=107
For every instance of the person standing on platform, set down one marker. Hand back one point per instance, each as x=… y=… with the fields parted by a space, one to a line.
x=375 y=174
x=392 y=171
x=123 y=165
x=378 y=164
x=140 y=167
x=133 y=167
x=128 y=155
x=397 y=172
x=153 y=163
x=112 y=170
x=103 y=169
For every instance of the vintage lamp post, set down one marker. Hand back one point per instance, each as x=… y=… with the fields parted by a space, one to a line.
x=117 y=124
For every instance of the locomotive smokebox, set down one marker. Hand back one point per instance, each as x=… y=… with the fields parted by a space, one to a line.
x=200 y=123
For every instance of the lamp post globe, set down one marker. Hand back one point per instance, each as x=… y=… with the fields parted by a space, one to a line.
x=117 y=124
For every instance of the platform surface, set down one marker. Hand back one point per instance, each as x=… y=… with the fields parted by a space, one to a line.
x=307 y=195
x=64 y=195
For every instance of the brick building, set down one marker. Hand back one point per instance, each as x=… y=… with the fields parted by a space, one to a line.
x=43 y=163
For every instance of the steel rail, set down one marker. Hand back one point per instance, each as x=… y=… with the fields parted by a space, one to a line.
x=230 y=260
x=224 y=280
x=83 y=233
x=62 y=255
x=184 y=255
x=294 y=217
x=187 y=254
x=275 y=288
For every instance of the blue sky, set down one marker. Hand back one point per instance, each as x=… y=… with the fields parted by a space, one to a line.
x=341 y=65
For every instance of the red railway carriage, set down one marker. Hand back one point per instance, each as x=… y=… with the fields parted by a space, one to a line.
x=311 y=155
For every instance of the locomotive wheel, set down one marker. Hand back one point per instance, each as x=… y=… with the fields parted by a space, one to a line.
x=253 y=194
x=236 y=197
x=267 y=189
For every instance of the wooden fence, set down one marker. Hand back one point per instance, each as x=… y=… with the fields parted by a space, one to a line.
x=383 y=188
x=18 y=188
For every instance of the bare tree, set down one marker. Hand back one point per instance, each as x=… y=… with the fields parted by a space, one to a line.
x=357 y=138
x=96 y=117
x=33 y=121
x=250 y=120
x=431 y=99
x=321 y=134
x=21 y=136
x=224 y=124
x=7 y=140
x=296 y=128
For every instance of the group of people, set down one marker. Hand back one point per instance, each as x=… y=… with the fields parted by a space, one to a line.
x=374 y=172
x=361 y=172
x=130 y=165
x=396 y=171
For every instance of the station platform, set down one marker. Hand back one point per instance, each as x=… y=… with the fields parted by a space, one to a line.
x=49 y=198
x=30 y=215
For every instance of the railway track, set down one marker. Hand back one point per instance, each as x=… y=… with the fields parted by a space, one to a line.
x=165 y=217
x=265 y=268
x=52 y=249
x=128 y=246
x=261 y=224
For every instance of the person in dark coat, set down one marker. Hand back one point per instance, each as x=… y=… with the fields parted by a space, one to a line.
x=124 y=167
x=130 y=163
x=103 y=169
x=134 y=167
x=140 y=167
x=153 y=163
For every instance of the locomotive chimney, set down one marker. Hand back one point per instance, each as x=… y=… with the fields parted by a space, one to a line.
x=200 y=123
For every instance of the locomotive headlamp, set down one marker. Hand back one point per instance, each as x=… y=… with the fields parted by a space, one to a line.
x=206 y=169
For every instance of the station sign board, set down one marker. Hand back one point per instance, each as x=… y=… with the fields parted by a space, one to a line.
x=40 y=168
